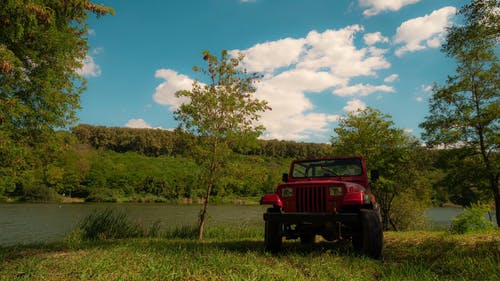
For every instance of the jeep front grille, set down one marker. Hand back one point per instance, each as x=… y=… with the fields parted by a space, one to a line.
x=312 y=199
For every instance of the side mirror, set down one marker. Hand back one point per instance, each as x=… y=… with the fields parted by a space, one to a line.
x=374 y=175
x=284 y=177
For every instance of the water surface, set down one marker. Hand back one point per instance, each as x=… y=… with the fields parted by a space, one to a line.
x=40 y=223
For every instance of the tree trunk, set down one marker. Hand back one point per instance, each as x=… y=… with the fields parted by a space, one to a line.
x=203 y=212
x=496 y=195
x=210 y=183
x=497 y=208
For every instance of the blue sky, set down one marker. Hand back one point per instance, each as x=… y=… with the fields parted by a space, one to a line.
x=320 y=59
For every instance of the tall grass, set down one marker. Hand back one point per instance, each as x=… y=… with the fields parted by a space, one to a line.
x=109 y=223
x=112 y=223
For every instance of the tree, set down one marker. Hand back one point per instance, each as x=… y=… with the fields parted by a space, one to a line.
x=42 y=45
x=386 y=148
x=465 y=112
x=220 y=113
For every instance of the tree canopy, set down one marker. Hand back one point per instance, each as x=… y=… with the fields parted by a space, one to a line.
x=42 y=46
x=465 y=112
x=390 y=151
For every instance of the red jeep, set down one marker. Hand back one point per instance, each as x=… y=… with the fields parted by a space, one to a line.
x=328 y=197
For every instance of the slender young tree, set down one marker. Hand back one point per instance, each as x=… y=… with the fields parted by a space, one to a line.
x=465 y=112
x=220 y=113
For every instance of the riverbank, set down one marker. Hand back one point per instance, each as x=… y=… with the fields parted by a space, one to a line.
x=238 y=254
x=140 y=199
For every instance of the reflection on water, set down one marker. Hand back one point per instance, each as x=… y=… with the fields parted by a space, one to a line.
x=34 y=223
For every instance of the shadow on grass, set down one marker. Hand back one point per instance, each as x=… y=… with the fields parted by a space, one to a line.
x=246 y=246
x=434 y=250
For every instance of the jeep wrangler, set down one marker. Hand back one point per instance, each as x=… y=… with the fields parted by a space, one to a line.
x=328 y=197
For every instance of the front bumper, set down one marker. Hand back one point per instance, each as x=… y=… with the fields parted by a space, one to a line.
x=348 y=219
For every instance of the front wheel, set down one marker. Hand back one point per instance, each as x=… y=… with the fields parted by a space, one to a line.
x=370 y=239
x=272 y=238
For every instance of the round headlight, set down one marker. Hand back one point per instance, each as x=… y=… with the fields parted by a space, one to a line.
x=287 y=192
x=336 y=191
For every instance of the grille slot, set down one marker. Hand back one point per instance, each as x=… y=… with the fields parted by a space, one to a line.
x=311 y=199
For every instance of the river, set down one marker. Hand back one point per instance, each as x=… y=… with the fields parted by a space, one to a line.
x=40 y=223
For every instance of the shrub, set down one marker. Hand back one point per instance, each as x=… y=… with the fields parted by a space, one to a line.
x=104 y=195
x=408 y=213
x=39 y=193
x=472 y=219
x=111 y=224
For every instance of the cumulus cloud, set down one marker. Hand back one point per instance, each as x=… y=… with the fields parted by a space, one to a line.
x=89 y=68
x=391 y=78
x=377 y=6
x=335 y=50
x=423 y=32
x=354 y=105
x=268 y=56
x=174 y=82
x=374 y=38
x=293 y=68
x=362 y=90
x=137 y=123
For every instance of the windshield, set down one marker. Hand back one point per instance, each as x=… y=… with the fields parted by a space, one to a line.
x=327 y=168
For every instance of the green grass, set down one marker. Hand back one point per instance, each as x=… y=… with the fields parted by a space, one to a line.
x=236 y=253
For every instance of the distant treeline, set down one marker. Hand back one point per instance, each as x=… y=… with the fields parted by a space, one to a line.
x=156 y=142
x=121 y=164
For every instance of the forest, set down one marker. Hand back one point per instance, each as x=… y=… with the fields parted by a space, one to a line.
x=111 y=164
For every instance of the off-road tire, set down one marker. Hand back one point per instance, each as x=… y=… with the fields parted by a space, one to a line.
x=369 y=241
x=272 y=237
x=272 y=234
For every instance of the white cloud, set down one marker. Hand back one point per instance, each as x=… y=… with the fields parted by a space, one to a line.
x=423 y=32
x=294 y=68
x=174 y=82
x=408 y=130
x=137 y=123
x=419 y=99
x=98 y=50
x=426 y=88
x=296 y=127
x=377 y=6
x=89 y=68
x=362 y=90
x=391 y=78
x=374 y=38
x=268 y=56
x=354 y=105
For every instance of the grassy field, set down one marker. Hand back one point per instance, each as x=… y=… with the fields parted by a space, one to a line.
x=237 y=254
